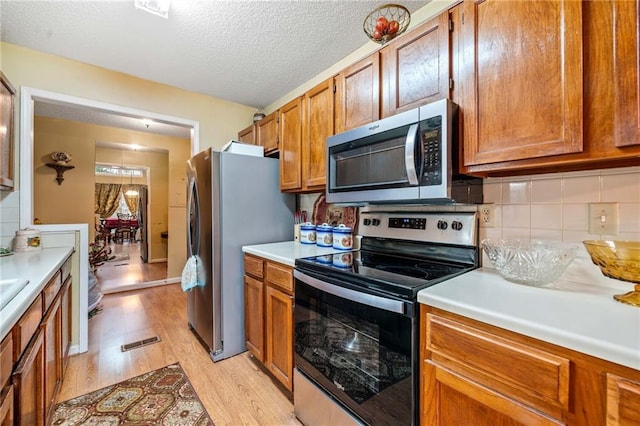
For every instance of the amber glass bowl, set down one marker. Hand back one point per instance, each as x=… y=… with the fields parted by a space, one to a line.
x=619 y=260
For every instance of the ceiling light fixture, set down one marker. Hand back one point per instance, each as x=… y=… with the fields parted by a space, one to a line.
x=131 y=192
x=157 y=7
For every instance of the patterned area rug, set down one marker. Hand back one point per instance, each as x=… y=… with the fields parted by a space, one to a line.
x=161 y=397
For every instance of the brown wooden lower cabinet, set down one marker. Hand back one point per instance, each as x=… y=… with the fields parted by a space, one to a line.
x=269 y=316
x=473 y=373
x=52 y=327
x=279 y=333
x=254 y=316
x=6 y=406
x=28 y=382
x=41 y=339
x=66 y=308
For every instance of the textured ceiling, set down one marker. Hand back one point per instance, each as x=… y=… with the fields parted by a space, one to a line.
x=250 y=52
x=94 y=116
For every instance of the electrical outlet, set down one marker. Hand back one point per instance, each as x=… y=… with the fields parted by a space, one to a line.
x=603 y=218
x=487 y=217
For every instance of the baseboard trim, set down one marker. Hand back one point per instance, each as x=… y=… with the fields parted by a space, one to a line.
x=139 y=286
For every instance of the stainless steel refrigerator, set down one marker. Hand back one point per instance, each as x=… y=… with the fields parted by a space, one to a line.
x=233 y=200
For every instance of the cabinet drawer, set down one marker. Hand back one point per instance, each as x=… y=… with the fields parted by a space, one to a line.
x=6 y=359
x=66 y=270
x=253 y=266
x=51 y=290
x=280 y=275
x=26 y=327
x=520 y=371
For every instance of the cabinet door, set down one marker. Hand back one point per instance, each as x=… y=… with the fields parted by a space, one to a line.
x=247 y=135
x=6 y=406
x=267 y=133
x=7 y=93
x=415 y=67
x=254 y=316
x=66 y=307
x=318 y=125
x=279 y=333
x=52 y=326
x=626 y=73
x=28 y=382
x=450 y=399
x=522 y=66
x=623 y=401
x=358 y=94
x=290 y=140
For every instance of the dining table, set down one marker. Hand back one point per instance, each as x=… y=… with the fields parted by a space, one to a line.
x=113 y=223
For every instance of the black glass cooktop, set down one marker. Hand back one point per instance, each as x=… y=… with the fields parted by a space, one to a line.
x=401 y=276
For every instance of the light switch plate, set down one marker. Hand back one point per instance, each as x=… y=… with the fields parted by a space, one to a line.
x=603 y=218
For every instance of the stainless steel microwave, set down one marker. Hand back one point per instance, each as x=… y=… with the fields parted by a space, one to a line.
x=408 y=157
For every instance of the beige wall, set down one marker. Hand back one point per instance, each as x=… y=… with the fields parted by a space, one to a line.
x=219 y=120
x=73 y=201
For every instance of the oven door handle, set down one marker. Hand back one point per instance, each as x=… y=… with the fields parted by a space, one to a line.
x=391 y=305
x=410 y=154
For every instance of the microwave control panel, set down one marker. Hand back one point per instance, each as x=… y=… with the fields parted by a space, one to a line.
x=431 y=138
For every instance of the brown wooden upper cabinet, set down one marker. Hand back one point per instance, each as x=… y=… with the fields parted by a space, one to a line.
x=626 y=74
x=305 y=124
x=522 y=67
x=267 y=133
x=290 y=135
x=547 y=86
x=415 y=68
x=248 y=135
x=317 y=126
x=358 y=94
x=7 y=93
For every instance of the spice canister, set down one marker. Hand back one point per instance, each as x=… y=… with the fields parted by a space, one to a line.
x=342 y=238
x=324 y=235
x=308 y=233
x=27 y=239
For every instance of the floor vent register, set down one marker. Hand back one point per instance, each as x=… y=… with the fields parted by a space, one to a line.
x=139 y=343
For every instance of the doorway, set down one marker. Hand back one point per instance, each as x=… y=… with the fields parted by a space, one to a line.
x=29 y=96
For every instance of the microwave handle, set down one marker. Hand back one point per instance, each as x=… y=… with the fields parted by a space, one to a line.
x=410 y=154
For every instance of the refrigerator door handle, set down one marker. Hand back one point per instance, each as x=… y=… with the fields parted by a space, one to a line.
x=193 y=224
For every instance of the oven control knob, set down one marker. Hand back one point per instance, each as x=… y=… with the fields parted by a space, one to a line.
x=442 y=225
x=456 y=225
x=375 y=222
x=367 y=222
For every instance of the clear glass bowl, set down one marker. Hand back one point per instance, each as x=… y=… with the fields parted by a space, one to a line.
x=534 y=263
x=619 y=260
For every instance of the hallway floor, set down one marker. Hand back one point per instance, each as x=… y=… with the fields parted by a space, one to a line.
x=128 y=270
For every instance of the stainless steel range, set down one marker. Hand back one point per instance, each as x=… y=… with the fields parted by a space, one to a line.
x=356 y=316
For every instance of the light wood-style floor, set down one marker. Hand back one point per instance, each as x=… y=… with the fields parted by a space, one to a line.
x=235 y=391
x=118 y=275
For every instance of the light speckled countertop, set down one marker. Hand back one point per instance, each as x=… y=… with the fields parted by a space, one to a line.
x=37 y=267
x=575 y=315
x=288 y=251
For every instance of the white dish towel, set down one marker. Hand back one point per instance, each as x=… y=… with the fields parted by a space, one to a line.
x=193 y=274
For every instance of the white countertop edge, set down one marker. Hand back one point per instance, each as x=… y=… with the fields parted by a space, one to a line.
x=269 y=255
x=12 y=312
x=605 y=350
x=286 y=252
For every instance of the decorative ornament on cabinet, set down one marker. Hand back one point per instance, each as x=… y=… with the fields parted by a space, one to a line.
x=386 y=22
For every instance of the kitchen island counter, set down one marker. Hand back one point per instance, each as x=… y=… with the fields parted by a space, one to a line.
x=287 y=252
x=36 y=266
x=581 y=316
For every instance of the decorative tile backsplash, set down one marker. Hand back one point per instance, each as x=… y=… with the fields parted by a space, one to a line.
x=556 y=206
